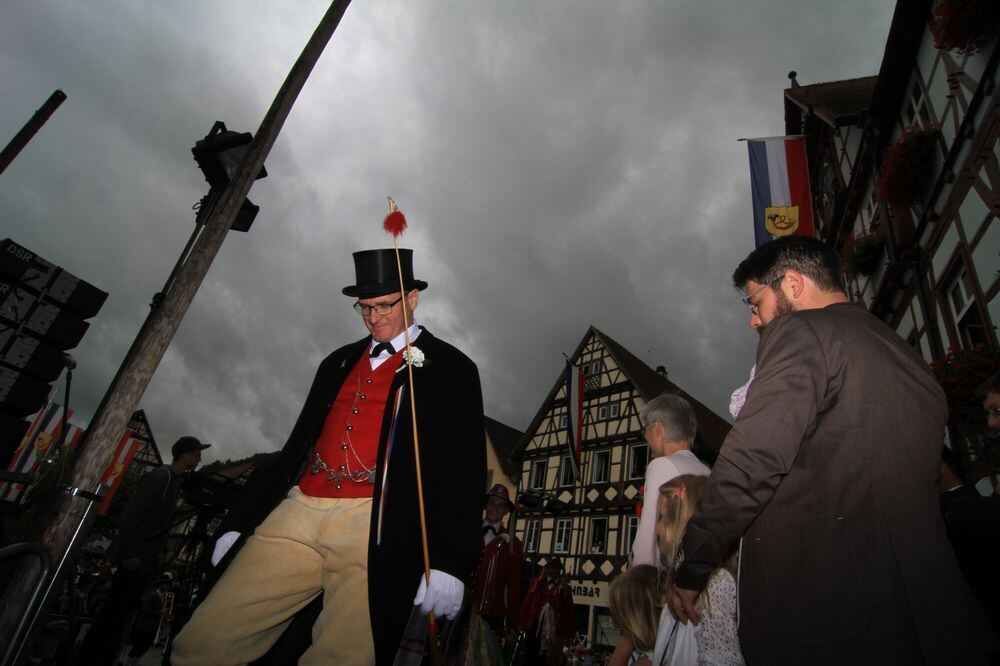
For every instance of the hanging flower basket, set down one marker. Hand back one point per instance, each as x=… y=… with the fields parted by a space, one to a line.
x=907 y=165
x=964 y=25
x=864 y=255
x=960 y=373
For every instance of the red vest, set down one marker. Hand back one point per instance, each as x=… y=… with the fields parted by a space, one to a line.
x=350 y=436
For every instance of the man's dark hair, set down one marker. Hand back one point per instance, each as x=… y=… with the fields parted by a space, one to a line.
x=991 y=385
x=809 y=256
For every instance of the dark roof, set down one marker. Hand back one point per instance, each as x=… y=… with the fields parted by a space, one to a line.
x=712 y=429
x=906 y=32
x=836 y=103
x=236 y=471
x=505 y=440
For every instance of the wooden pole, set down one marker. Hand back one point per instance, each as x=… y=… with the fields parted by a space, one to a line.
x=30 y=128
x=154 y=337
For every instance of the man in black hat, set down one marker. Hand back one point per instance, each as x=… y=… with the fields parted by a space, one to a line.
x=337 y=514
x=142 y=531
x=497 y=580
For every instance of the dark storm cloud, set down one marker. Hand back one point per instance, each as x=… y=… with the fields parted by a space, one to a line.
x=562 y=164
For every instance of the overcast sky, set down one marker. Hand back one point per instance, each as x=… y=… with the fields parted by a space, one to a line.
x=561 y=164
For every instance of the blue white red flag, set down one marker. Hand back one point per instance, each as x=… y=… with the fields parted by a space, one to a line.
x=43 y=431
x=573 y=378
x=128 y=446
x=779 y=183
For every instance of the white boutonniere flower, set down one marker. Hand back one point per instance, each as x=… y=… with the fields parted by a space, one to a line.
x=415 y=357
x=506 y=537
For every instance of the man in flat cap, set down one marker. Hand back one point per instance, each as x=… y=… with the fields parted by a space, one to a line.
x=142 y=531
x=337 y=513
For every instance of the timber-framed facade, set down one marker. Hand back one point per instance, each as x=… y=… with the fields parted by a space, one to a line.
x=589 y=523
x=935 y=274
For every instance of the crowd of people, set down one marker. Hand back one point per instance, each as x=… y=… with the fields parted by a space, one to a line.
x=826 y=531
x=828 y=528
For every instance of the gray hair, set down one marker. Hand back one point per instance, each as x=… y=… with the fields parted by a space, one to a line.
x=676 y=415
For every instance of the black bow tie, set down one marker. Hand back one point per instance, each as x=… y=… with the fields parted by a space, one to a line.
x=383 y=346
x=489 y=528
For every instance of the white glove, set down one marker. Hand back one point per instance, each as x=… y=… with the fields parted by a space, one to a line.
x=444 y=598
x=222 y=546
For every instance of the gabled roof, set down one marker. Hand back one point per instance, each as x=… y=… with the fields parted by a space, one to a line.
x=139 y=425
x=505 y=440
x=836 y=103
x=712 y=429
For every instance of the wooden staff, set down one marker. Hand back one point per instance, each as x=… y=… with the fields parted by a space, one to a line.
x=395 y=223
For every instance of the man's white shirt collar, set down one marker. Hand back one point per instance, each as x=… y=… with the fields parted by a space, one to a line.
x=490 y=536
x=398 y=342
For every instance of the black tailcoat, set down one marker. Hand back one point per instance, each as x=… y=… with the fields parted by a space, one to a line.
x=453 y=459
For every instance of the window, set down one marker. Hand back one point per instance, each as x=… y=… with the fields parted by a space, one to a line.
x=611 y=411
x=562 y=421
x=962 y=303
x=531 y=538
x=592 y=374
x=602 y=467
x=916 y=106
x=631 y=527
x=563 y=529
x=638 y=457
x=566 y=477
x=537 y=479
x=598 y=536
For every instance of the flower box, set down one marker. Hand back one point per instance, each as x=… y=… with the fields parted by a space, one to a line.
x=907 y=166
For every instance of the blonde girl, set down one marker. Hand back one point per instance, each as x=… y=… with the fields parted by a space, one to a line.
x=635 y=602
x=715 y=635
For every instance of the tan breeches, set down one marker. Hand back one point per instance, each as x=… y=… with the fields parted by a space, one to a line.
x=306 y=546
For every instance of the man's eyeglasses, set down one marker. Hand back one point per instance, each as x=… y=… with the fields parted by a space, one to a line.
x=379 y=308
x=993 y=412
x=755 y=309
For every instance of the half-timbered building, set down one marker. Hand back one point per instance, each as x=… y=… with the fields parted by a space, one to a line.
x=589 y=522
x=905 y=169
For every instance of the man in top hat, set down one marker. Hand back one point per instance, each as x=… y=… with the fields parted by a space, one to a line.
x=497 y=579
x=337 y=514
x=142 y=531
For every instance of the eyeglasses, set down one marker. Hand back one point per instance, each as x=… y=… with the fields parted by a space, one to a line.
x=993 y=412
x=755 y=309
x=379 y=308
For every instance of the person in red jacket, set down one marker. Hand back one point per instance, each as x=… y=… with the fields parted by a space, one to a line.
x=547 y=615
x=497 y=576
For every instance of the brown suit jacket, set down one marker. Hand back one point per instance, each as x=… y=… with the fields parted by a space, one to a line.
x=829 y=476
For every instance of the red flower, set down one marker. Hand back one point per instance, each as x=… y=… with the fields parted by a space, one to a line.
x=964 y=25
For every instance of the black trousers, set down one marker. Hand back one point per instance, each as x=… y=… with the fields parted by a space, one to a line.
x=103 y=640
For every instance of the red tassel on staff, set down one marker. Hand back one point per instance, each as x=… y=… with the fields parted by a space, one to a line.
x=395 y=221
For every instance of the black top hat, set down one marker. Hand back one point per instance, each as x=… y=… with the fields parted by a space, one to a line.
x=377 y=275
x=187 y=444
